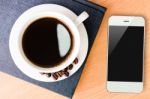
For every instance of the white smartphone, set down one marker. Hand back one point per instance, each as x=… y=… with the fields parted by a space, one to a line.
x=125 y=54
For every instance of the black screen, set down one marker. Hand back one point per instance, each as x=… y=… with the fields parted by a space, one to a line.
x=125 y=53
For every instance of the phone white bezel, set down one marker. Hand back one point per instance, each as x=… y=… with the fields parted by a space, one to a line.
x=117 y=86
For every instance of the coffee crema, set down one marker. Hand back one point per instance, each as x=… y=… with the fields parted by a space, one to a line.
x=47 y=42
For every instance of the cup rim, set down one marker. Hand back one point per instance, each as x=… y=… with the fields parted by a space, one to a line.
x=24 y=24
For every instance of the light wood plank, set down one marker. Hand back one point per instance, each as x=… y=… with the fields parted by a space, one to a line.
x=92 y=84
x=14 y=88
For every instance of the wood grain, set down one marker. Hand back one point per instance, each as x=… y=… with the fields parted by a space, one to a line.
x=92 y=84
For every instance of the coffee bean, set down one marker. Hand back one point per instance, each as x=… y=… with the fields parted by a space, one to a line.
x=70 y=67
x=59 y=74
x=66 y=73
x=62 y=72
x=55 y=76
x=49 y=74
x=66 y=69
x=42 y=73
x=75 y=61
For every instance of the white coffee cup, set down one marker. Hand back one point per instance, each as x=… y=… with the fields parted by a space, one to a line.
x=15 y=41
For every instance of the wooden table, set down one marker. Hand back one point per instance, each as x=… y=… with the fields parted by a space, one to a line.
x=92 y=84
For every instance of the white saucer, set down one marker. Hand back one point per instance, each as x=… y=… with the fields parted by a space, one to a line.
x=83 y=48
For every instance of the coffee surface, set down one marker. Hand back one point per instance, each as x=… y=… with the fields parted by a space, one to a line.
x=47 y=42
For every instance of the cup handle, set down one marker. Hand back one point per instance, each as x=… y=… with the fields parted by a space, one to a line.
x=82 y=17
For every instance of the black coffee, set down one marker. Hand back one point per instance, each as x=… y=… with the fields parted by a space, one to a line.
x=47 y=42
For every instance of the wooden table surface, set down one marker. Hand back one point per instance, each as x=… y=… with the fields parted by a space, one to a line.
x=92 y=84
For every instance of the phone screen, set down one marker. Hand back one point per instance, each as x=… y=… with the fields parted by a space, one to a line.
x=125 y=53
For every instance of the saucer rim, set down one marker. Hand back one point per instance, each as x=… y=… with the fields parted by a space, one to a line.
x=81 y=27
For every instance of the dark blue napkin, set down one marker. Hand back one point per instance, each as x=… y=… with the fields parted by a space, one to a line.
x=10 y=10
